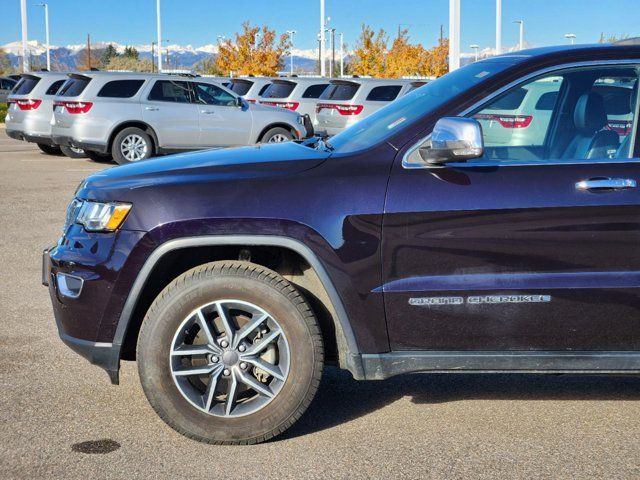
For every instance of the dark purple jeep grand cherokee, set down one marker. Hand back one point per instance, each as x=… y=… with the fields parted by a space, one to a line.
x=487 y=222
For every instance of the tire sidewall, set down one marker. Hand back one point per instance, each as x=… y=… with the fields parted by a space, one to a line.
x=275 y=131
x=70 y=153
x=117 y=143
x=154 y=354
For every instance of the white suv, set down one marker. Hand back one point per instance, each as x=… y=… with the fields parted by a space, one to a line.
x=132 y=116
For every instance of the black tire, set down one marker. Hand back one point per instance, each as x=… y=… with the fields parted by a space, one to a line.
x=246 y=282
x=50 y=149
x=99 y=157
x=276 y=135
x=120 y=139
x=73 y=152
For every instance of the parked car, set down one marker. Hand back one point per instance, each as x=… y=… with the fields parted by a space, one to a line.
x=250 y=88
x=296 y=93
x=132 y=116
x=6 y=85
x=409 y=242
x=346 y=102
x=31 y=108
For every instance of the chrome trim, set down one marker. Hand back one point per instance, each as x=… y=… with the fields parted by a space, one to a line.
x=410 y=166
x=606 y=184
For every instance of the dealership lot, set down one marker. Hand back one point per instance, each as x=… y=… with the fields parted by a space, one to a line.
x=427 y=426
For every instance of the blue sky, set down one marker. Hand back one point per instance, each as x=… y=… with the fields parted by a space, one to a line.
x=198 y=22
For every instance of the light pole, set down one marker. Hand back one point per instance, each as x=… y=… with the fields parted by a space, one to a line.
x=454 y=35
x=521 y=23
x=291 y=33
x=321 y=39
x=342 y=54
x=23 y=18
x=332 y=41
x=46 y=31
x=571 y=36
x=159 y=28
x=475 y=47
x=498 y=27
x=160 y=53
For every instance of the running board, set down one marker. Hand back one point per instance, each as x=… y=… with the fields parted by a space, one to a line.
x=385 y=365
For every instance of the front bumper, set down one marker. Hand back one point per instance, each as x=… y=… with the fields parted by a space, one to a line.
x=25 y=137
x=86 y=146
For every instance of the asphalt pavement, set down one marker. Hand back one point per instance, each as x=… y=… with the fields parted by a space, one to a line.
x=61 y=418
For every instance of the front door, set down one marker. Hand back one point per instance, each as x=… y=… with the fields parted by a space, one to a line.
x=222 y=122
x=534 y=246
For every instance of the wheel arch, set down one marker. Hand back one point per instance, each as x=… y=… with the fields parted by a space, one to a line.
x=286 y=126
x=138 y=124
x=130 y=319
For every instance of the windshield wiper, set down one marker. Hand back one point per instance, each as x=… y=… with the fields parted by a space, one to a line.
x=322 y=144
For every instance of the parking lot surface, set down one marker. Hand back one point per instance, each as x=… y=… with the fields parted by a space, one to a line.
x=61 y=418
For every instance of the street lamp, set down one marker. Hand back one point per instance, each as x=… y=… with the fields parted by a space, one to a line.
x=342 y=54
x=571 y=36
x=521 y=22
x=159 y=28
x=454 y=35
x=498 y=27
x=321 y=39
x=475 y=47
x=291 y=33
x=46 y=31
x=23 y=19
x=332 y=31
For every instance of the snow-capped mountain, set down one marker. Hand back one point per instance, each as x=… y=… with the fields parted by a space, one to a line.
x=180 y=56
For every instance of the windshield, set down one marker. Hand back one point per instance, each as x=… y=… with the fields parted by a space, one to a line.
x=412 y=106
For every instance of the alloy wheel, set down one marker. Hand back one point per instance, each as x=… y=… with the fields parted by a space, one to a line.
x=134 y=147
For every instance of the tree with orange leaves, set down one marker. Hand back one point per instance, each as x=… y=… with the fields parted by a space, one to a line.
x=435 y=61
x=404 y=59
x=254 y=52
x=370 y=53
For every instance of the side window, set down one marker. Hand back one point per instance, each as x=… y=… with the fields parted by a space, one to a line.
x=263 y=89
x=387 y=93
x=573 y=115
x=120 y=88
x=211 y=95
x=314 y=91
x=54 y=87
x=170 y=91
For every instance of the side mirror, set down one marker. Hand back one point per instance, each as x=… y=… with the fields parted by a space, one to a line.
x=454 y=139
x=239 y=102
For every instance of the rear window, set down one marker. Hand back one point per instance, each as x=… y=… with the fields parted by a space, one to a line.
x=511 y=101
x=170 y=91
x=340 y=91
x=54 y=87
x=263 y=89
x=547 y=101
x=415 y=85
x=314 y=91
x=279 y=90
x=25 y=85
x=240 y=87
x=74 y=87
x=386 y=93
x=120 y=88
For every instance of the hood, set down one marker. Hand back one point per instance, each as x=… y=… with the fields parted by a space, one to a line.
x=230 y=164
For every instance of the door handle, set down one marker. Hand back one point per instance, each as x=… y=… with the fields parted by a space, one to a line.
x=207 y=112
x=152 y=109
x=606 y=184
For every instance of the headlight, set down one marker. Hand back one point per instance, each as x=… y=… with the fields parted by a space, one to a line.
x=102 y=217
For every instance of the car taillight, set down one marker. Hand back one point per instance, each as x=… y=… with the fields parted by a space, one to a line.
x=287 y=105
x=74 y=107
x=342 y=109
x=507 y=121
x=29 y=104
x=251 y=100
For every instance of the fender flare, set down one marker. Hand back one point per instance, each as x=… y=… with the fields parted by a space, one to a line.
x=352 y=356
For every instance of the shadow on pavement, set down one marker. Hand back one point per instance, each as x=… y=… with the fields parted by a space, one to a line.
x=341 y=399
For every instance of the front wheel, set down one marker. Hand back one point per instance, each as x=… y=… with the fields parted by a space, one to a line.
x=230 y=353
x=277 y=135
x=131 y=145
x=73 y=152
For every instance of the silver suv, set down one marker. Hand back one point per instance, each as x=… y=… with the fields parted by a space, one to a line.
x=31 y=108
x=132 y=116
x=250 y=88
x=346 y=102
x=6 y=85
x=296 y=93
